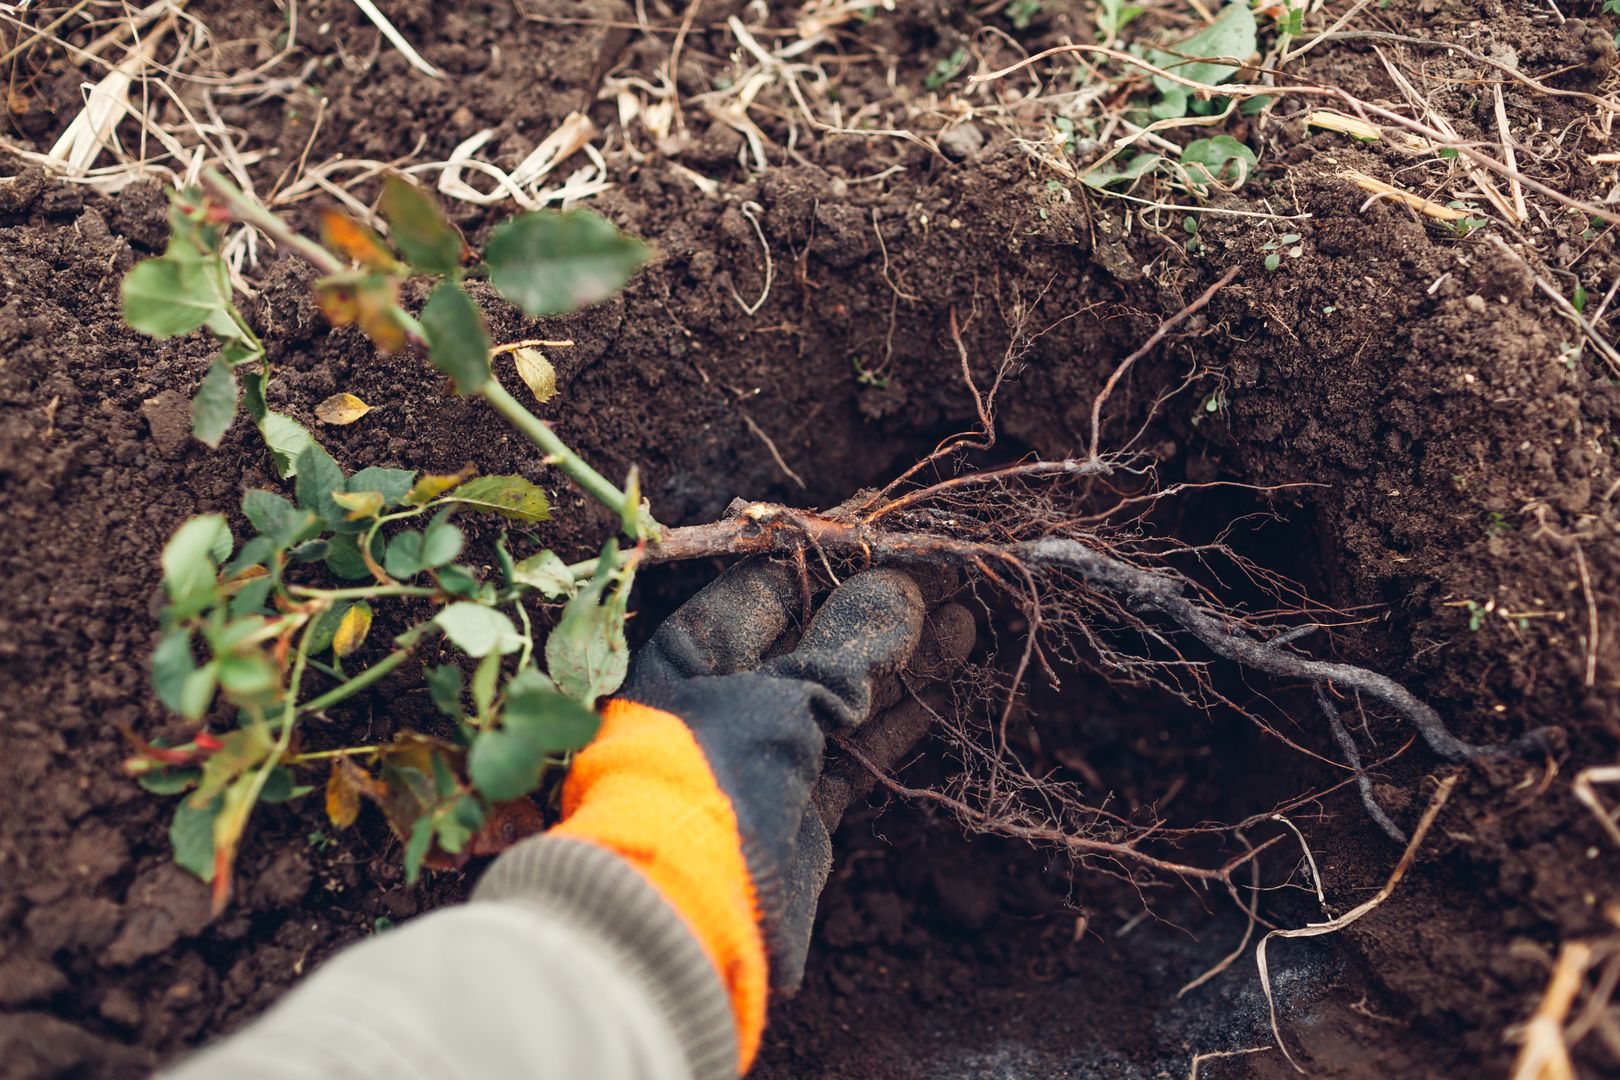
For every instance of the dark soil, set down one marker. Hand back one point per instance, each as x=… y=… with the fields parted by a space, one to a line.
x=1415 y=380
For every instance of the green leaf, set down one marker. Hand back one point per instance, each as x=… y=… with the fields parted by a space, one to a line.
x=509 y=496
x=394 y=484
x=169 y=296
x=428 y=242
x=1139 y=166
x=552 y=722
x=548 y=263
x=470 y=812
x=191 y=836
x=503 y=556
x=506 y=762
x=197 y=692
x=172 y=664
x=485 y=677
x=343 y=557
x=452 y=834
x=272 y=514
x=586 y=653
x=279 y=786
x=457 y=343
x=411 y=552
x=311 y=550
x=1208 y=160
x=478 y=630
x=214 y=407
x=502 y=764
x=444 y=687
x=256 y=552
x=1273 y=261
x=168 y=781
x=1233 y=34
x=318 y=477
x=441 y=541
x=247 y=677
x=190 y=563
x=286 y=439
x=547 y=573
x=251 y=598
x=417 y=848
x=458 y=581
x=324 y=628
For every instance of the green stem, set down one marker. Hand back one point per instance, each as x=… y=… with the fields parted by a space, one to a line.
x=249 y=212
x=323 y=755
x=404 y=644
x=289 y=718
x=367 y=678
x=539 y=432
x=362 y=592
x=585 y=569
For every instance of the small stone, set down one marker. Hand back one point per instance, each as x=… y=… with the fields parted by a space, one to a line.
x=961 y=141
x=1475 y=303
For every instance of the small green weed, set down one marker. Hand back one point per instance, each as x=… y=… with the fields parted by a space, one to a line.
x=1288 y=243
x=1021 y=13
x=946 y=69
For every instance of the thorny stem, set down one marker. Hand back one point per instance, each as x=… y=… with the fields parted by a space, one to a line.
x=249 y=212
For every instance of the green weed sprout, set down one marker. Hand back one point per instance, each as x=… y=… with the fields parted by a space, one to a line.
x=250 y=628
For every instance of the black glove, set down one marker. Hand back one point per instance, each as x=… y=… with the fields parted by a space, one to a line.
x=761 y=720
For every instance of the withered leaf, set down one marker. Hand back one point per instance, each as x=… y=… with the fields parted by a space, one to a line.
x=341 y=408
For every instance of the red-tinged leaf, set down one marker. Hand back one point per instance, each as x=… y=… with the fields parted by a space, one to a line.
x=228 y=827
x=150 y=753
x=207 y=742
x=378 y=316
x=339 y=301
x=357 y=242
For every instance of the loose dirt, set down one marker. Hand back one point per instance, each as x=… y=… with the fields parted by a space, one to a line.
x=1458 y=479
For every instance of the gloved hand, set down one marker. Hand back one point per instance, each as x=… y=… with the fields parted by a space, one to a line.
x=703 y=773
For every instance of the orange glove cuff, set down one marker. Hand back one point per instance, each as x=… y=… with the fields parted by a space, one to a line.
x=643 y=789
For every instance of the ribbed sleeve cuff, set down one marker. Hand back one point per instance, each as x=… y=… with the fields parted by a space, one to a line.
x=604 y=895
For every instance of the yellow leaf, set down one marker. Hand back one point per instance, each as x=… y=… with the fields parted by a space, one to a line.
x=342 y=796
x=430 y=486
x=537 y=373
x=359 y=504
x=341 y=409
x=352 y=629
